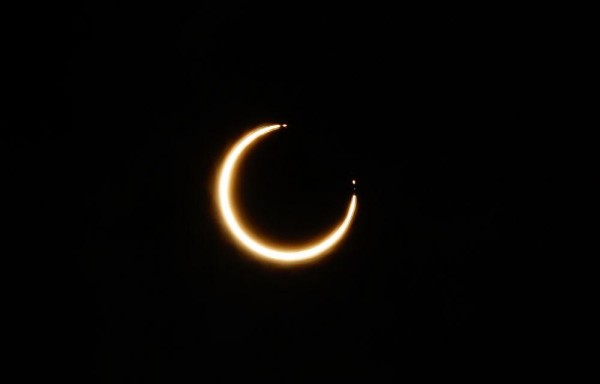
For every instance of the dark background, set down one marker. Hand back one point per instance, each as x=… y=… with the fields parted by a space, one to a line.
x=135 y=106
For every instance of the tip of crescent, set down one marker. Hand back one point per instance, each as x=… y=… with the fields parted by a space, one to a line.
x=283 y=125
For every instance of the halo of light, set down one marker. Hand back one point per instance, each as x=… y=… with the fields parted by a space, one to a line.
x=244 y=237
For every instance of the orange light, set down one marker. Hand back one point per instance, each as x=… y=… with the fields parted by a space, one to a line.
x=242 y=235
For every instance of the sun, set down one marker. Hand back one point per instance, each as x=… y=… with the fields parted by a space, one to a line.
x=242 y=235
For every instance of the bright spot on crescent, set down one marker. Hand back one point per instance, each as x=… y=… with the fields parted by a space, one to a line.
x=242 y=235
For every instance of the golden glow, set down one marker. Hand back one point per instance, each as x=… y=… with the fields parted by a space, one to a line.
x=242 y=235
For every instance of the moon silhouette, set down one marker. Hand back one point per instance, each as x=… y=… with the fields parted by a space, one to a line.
x=244 y=237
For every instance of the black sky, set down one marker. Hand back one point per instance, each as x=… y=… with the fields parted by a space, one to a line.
x=426 y=108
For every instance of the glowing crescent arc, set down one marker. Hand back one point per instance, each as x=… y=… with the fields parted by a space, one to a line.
x=237 y=230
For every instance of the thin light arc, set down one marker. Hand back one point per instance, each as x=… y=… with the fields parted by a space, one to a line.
x=257 y=247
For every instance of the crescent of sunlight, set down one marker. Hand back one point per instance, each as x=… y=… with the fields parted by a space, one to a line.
x=256 y=246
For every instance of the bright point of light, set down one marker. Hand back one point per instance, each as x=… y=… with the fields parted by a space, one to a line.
x=253 y=244
x=354 y=182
